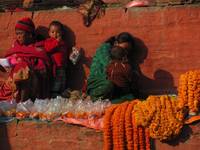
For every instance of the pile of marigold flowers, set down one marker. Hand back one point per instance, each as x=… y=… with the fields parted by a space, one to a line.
x=161 y=115
x=131 y=124
x=120 y=130
x=189 y=91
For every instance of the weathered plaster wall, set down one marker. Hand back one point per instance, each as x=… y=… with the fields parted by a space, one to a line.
x=169 y=37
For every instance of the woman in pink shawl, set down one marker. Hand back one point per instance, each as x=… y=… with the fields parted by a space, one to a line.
x=29 y=63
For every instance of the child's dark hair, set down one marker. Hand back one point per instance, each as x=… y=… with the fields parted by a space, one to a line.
x=118 y=53
x=122 y=37
x=125 y=37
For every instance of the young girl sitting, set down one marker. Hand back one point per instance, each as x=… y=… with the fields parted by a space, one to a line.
x=57 y=50
x=120 y=73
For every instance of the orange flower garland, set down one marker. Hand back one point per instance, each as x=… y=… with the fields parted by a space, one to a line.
x=108 y=127
x=160 y=117
x=189 y=91
x=147 y=139
x=135 y=133
x=129 y=126
x=197 y=90
x=120 y=130
x=116 y=117
x=182 y=91
x=144 y=111
x=141 y=138
x=122 y=127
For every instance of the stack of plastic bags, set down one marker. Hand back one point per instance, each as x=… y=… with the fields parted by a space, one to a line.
x=51 y=109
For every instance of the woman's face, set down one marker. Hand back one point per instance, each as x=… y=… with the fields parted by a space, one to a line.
x=22 y=36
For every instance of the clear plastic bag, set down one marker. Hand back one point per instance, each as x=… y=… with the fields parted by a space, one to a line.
x=24 y=109
x=53 y=109
x=89 y=109
x=80 y=110
x=98 y=108
x=68 y=109
x=40 y=106
x=75 y=55
x=8 y=108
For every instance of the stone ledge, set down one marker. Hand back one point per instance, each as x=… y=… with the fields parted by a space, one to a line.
x=37 y=135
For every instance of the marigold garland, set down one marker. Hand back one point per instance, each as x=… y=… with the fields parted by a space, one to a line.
x=141 y=138
x=116 y=118
x=122 y=137
x=123 y=131
x=189 y=91
x=161 y=116
x=108 y=127
x=147 y=139
x=129 y=126
x=135 y=133
x=182 y=90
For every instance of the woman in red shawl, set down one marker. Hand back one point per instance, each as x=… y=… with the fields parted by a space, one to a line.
x=29 y=63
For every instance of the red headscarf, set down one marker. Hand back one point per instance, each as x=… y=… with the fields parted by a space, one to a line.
x=25 y=24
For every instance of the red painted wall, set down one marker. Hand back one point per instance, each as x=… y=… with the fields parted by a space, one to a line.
x=169 y=36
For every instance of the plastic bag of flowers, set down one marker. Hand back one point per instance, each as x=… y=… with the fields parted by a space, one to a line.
x=8 y=108
x=39 y=107
x=24 y=109
x=53 y=109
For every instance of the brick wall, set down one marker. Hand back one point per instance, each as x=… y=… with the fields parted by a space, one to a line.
x=168 y=39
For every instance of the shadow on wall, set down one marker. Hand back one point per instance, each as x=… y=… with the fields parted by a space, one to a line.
x=76 y=74
x=163 y=82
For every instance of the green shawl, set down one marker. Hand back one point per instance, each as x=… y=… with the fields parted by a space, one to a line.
x=97 y=84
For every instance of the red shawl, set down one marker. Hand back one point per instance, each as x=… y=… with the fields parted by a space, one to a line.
x=27 y=53
x=30 y=51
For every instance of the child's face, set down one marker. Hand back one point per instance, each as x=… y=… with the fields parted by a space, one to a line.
x=22 y=36
x=55 y=32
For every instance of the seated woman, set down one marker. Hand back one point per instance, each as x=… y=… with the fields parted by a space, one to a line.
x=29 y=64
x=97 y=84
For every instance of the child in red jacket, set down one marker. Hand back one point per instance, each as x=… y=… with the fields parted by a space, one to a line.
x=57 y=50
x=120 y=73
